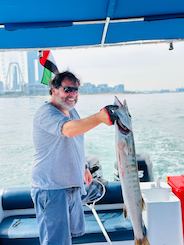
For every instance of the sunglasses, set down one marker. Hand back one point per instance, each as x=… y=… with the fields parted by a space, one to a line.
x=70 y=89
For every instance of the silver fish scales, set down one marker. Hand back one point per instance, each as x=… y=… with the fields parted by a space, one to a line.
x=128 y=171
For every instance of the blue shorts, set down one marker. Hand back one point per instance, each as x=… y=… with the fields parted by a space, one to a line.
x=59 y=215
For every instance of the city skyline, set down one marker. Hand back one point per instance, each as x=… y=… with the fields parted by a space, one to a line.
x=137 y=67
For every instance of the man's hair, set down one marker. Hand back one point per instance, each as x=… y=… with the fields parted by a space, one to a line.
x=56 y=82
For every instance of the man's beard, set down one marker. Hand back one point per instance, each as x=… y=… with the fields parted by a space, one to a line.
x=65 y=105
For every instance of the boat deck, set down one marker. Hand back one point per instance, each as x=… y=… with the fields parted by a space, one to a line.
x=24 y=230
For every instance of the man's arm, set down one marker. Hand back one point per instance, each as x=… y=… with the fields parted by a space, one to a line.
x=76 y=127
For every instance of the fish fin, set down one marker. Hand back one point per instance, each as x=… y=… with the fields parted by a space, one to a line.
x=125 y=211
x=143 y=204
x=117 y=101
x=143 y=241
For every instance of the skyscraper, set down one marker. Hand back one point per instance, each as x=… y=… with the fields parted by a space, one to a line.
x=7 y=62
x=15 y=79
x=34 y=70
x=32 y=58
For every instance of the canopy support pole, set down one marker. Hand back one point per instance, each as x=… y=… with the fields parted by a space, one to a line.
x=105 y=31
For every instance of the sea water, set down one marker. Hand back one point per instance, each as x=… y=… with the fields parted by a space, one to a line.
x=158 y=126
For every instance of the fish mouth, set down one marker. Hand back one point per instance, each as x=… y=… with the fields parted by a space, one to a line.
x=122 y=128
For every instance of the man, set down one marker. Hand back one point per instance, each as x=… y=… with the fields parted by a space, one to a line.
x=59 y=171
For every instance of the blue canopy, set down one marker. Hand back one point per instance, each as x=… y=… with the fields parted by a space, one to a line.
x=79 y=23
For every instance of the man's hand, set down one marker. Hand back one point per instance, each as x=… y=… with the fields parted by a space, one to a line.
x=110 y=114
x=88 y=177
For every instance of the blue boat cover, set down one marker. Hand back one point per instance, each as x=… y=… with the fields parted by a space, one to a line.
x=58 y=23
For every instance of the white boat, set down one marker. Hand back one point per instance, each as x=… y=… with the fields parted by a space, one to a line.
x=74 y=24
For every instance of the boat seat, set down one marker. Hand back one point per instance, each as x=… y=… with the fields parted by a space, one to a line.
x=23 y=229
x=17 y=198
x=20 y=198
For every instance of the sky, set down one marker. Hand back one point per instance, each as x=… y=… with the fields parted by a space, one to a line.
x=138 y=67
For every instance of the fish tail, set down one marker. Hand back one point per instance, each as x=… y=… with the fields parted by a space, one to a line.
x=143 y=241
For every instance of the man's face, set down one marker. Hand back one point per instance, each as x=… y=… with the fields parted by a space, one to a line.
x=66 y=96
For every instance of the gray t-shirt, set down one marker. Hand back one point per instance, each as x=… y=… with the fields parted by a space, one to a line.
x=59 y=160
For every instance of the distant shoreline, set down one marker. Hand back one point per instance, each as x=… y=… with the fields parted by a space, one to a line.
x=20 y=94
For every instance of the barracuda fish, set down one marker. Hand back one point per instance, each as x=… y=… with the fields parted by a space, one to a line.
x=128 y=171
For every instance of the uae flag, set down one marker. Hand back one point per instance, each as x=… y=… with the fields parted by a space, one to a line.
x=47 y=61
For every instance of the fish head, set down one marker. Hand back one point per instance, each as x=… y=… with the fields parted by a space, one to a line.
x=123 y=121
